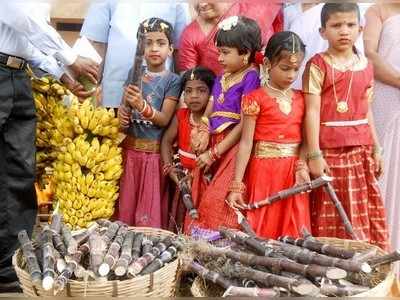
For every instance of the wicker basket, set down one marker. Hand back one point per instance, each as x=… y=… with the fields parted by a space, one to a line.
x=161 y=283
x=384 y=275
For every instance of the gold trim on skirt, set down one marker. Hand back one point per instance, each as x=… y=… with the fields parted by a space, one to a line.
x=143 y=145
x=262 y=149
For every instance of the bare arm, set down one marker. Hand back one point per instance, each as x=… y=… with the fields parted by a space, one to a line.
x=312 y=121
x=377 y=153
x=245 y=147
x=383 y=71
x=163 y=117
x=231 y=139
x=168 y=140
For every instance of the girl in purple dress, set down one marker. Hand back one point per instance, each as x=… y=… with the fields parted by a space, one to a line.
x=238 y=39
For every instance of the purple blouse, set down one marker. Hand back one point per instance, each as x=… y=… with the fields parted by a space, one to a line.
x=227 y=106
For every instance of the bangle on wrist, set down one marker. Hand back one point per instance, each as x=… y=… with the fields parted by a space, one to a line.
x=237 y=187
x=314 y=155
x=144 y=107
x=167 y=168
x=301 y=165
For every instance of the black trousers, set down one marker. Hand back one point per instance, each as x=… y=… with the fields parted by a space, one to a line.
x=18 y=206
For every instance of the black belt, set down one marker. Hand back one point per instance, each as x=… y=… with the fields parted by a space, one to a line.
x=11 y=61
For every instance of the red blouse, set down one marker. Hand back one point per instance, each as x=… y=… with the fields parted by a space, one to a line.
x=184 y=130
x=272 y=124
x=318 y=80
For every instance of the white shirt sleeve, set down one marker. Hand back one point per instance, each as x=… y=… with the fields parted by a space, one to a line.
x=96 y=25
x=45 y=62
x=44 y=37
x=181 y=21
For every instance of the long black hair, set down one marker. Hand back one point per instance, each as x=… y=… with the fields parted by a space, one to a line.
x=283 y=41
x=244 y=36
x=198 y=73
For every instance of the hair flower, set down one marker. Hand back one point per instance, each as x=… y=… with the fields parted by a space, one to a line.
x=228 y=23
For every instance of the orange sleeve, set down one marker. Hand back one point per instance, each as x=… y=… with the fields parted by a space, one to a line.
x=250 y=105
x=313 y=77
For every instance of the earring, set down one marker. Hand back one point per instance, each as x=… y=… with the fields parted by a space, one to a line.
x=245 y=60
x=264 y=75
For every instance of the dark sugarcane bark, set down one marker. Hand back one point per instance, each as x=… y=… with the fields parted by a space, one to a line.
x=165 y=257
x=109 y=235
x=147 y=245
x=113 y=252
x=84 y=236
x=365 y=256
x=210 y=275
x=126 y=255
x=306 y=256
x=104 y=222
x=137 y=245
x=245 y=240
x=69 y=241
x=142 y=262
x=342 y=291
x=49 y=259
x=305 y=187
x=55 y=227
x=30 y=257
x=97 y=251
x=385 y=259
x=277 y=264
x=319 y=247
x=244 y=224
x=78 y=257
x=269 y=279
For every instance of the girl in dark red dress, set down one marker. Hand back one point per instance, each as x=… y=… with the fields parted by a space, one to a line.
x=196 y=86
x=269 y=150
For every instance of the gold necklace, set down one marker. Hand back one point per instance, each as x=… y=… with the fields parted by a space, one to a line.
x=342 y=106
x=285 y=101
x=192 y=121
x=230 y=79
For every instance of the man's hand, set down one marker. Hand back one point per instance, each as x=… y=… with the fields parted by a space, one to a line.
x=75 y=87
x=85 y=67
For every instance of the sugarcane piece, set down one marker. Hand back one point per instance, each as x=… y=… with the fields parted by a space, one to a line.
x=245 y=240
x=30 y=257
x=109 y=235
x=113 y=252
x=77 y=257
x=244 y=224
x=147 y=246
x=210 y=275
x=165 y=257
x=341 y=291
x=305 y=187
x=306 y=256
x=185 y=190
x=307 y=234
x=342 y=213
x=385 y=259
x=69 y=241
x=55 y=227
x=84 y=236
x=269 y=279
x=60 y=264
x=319 y=247
x=142 y=262
x=49 y=259
x=125 y=258
x=275 y=264
x=97 y=246
x=104 y=222
x=236 y=291
x=365 y=256
x=137 y=245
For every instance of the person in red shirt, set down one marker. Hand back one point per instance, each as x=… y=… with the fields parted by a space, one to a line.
x=268 y=159
x=340 y=130
x=196 y=85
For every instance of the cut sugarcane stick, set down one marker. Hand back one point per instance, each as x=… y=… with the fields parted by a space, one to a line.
x=126 y=255
x=49 y=259
x=113 y=252
x=30 y=257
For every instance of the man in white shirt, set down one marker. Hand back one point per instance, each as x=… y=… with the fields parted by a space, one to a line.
x=112 y=25
x=24 y=38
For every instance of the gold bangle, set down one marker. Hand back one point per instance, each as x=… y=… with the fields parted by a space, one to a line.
x=237 y=187
x=205 y=121
x=314 y=155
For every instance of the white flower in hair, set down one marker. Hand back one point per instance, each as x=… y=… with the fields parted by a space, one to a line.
x=228 y=23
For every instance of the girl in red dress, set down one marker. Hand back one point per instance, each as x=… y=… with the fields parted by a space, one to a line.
x=269 y=150
x=196 y=85
x=341 y=136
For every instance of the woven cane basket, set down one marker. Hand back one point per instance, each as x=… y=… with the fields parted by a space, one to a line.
x=161 y=283
x=384 y=276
